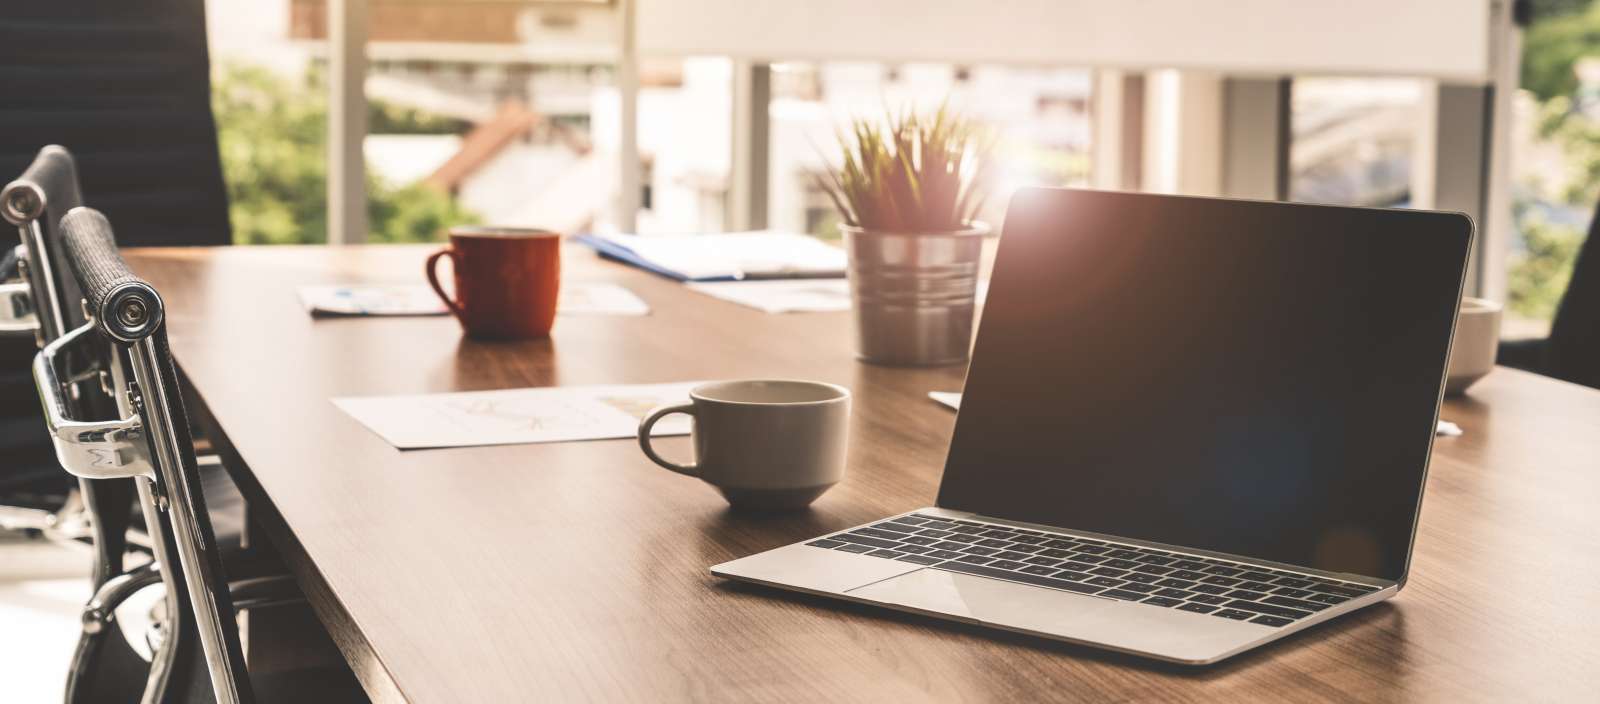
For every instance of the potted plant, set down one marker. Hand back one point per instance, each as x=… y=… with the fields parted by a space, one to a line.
x=908 y=192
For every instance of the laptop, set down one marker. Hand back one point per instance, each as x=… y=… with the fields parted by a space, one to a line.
x=1191 y=426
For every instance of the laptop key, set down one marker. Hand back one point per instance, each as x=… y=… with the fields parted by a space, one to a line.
x=1024 y=547
x=1104 y=581
x=1156 y=560
x=865 y=540
x=963 y=538
x=1187 y=574
x=1222 y=581
x=1074 y=576
x=909 y=520
x=1124 y=554
x=1040 y=570
x=1153 y=569
x=1273 y=621
x=997 y=533
x=1210 y=589
x=1007 y=565
x=1244 y=594
x=1255 y=586
x=1328 y=598
x=1057 y=543
x=1124 y=564
x=1341 y=591
x=1292 y=592
x=1141 y=588
x=896 y=527
x=1092 y=559
x=992 y=543
x=1122 y=594
x=921 y=559
x=1108 y=571
x=825 y=543
x=1054 y=552
x=1162 y=601
x=1171 y=593
x=939 y=524
x=945 y=554
x=1234 y=614
x=1292 y=582
x=1267 y=609
x=1209 y=599
x=913 y=549
x=1029 y=539
x=935 y=533
x=1141 y=577
x=969 y=529
x=1045 y=561
x=877 y=533
x=1256 y=576
x=1076 y=565
x=947 y=545
x=1178 y=583
x=1091 y=548
x=979 y=550
x=921 y=540
x=1022 y=577
x=976 y=559
x=852 y=547
x=1012 y=555
x=1197 y=608
x=1189 y=565
x=1224 y=571
x=1294 y=603
x=891 y=554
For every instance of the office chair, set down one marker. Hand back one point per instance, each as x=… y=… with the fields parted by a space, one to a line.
x=1572 y=351
x=125 y=85
x=147 y=439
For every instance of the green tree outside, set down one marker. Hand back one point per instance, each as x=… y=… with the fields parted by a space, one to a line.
x=1563 y=33
x=272 y=134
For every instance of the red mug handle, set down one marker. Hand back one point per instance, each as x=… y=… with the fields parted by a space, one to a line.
x=431 y=267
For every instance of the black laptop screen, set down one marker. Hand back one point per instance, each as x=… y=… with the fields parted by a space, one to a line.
x=1258 y=379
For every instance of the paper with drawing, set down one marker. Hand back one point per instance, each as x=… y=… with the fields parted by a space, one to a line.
x=516 y=416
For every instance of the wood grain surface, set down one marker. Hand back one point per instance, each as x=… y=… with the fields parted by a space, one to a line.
x=579 y=570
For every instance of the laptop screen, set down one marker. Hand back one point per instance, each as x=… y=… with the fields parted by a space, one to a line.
x=1260 y=379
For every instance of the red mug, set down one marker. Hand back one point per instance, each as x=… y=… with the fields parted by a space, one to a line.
x=506 y=281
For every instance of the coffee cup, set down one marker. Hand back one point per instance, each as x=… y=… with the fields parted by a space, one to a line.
x=765 y=444
x=1477 y=341
x=506 y=281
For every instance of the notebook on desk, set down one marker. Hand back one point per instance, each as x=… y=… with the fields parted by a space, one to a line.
x=731 y=256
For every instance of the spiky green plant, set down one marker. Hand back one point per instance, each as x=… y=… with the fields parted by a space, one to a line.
x=913 y=173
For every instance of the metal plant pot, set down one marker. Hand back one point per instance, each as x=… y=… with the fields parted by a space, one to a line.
x=914 y=294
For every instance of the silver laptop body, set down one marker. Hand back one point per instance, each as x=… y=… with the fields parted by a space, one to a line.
x=1091 y=481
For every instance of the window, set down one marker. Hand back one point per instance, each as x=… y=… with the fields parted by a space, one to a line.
x=1555 y=157
x=1353 y=140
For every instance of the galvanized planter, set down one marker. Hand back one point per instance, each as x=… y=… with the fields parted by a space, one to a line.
x=914 y=294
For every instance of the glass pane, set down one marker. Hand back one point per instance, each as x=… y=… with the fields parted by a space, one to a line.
x=271 y=112
x=1555 y=159
x=1353 y=140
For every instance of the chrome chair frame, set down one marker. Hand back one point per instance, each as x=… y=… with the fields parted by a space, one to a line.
x=148 y=443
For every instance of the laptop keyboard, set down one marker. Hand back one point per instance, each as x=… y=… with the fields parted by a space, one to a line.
x=1220 y=588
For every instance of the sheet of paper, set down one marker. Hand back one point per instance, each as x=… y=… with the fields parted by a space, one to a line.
x=782 y=296
x=577 y=298
x=734 y=255
x=517 y=416
x=952 y=399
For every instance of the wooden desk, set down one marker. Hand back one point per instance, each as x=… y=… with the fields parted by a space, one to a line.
x=578 y=570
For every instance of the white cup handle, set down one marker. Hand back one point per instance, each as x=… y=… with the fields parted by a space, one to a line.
x=691 y=470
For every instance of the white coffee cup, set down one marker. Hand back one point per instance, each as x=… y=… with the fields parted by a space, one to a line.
x=765 y=444
x=1477 y=341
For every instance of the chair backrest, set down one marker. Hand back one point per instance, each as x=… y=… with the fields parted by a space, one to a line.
x=150 y=441
x=1573 y=352
x=126 y=86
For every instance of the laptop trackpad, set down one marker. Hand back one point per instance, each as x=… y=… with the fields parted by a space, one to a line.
x=1119 y=624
